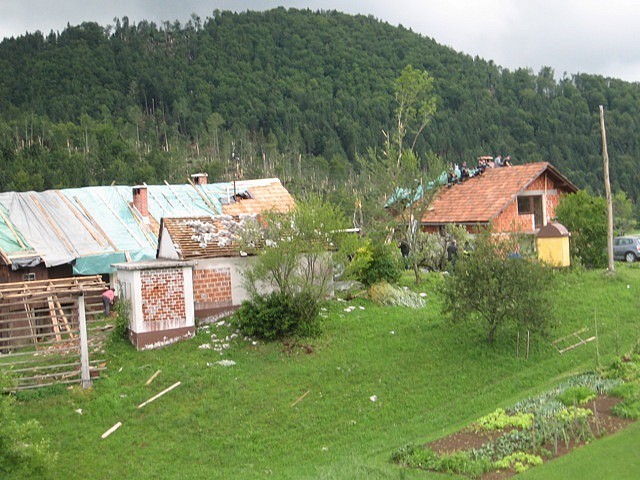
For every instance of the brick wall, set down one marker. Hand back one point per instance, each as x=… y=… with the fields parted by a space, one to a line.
x=163 y=295
x=212 y=287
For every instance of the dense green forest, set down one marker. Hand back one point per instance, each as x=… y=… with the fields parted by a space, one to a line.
x=290 y=93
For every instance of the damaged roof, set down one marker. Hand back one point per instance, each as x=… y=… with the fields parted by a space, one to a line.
x=206 y=237
x=94 y=227
x=480 y=199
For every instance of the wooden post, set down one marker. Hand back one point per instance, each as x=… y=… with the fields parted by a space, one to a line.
x=597 y=341
x=84 y=344
x=607 y=189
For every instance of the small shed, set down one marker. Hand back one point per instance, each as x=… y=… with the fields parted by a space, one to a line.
x=552 y=242
x=159 y=296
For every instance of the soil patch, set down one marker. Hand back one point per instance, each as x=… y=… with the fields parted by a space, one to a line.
x=602 y=423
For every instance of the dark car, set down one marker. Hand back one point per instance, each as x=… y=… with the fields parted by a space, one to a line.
x=626 y=248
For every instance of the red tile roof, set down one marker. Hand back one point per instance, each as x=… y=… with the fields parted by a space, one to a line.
x=482 y=198
x=270 y=195
x=202 y=237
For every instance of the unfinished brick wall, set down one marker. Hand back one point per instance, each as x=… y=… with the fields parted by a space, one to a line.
x=163 y=295
x=212 y=287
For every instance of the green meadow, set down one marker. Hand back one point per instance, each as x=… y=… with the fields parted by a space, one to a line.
x=335 y=406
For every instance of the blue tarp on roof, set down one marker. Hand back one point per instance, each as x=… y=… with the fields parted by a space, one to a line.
x=94 y=227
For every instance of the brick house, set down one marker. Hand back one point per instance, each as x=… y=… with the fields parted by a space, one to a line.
x=218 y=261
x=209 y=242
x=522 y=199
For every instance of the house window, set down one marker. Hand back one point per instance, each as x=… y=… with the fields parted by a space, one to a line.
x=28 y=277
x=525 y=205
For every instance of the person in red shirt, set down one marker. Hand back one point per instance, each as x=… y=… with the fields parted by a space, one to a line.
x=107 y=299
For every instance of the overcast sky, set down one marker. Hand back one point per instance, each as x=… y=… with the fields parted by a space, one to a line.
x=572 y=36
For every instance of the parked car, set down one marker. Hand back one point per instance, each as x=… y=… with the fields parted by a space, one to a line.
x=626 y=248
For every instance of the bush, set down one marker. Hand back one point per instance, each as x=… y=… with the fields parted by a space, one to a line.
x=488 y=287
x=376 y=262
x=278 y=315
x=121 y=320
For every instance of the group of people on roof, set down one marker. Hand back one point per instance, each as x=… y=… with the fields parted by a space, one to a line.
x=460 y=173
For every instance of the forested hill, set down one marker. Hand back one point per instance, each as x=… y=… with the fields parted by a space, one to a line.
x=289 y=93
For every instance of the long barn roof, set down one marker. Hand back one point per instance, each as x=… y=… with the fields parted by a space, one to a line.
x=93 y=227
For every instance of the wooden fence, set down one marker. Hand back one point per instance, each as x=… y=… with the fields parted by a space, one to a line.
x=52 y=331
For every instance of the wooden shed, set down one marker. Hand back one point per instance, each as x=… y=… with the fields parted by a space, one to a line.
x=552 y=243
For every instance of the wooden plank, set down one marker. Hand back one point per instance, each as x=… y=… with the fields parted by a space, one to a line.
x=44 y=367
x=13 y=230
x=136 y=216
x=111 y=430
x=95 y=224
x=54 y=225
x=88 y=226
x=185 y=206
x=4 y=258
x=155 y=397
x=203 y=196
x=54 y=318
x=582 y=342
x=131 y=232
x=152 y=377
x=568 y=336
x=30 y=319
x=63 y=316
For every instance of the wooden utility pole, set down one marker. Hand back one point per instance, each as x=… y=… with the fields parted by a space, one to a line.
x=607 y=189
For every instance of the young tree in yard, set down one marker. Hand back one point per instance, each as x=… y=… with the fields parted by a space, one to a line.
x=491 y=288
x=623 y=217
x=296 y=265
x=585 y=216
x=397 y=178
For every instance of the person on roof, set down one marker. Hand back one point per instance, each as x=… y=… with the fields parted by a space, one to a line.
x=498 y=162
x=507 y=161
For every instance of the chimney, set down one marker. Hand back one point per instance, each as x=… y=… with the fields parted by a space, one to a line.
x=141 y=201
x=199 y=178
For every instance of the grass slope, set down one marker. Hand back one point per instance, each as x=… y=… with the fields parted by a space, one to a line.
x=238 y=422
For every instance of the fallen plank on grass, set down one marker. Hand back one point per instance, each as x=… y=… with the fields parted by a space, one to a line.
x=111 y=430
x=152 y=377
x=300 y=398
x=159 y=394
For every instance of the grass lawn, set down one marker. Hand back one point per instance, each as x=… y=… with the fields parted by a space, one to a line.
x=429 y=379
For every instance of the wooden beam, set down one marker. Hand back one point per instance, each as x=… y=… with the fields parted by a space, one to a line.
x=203 y=196
x=115 y=214
x=54 y=225
x=94 y=223
x=13 y=231
x=90 y=228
